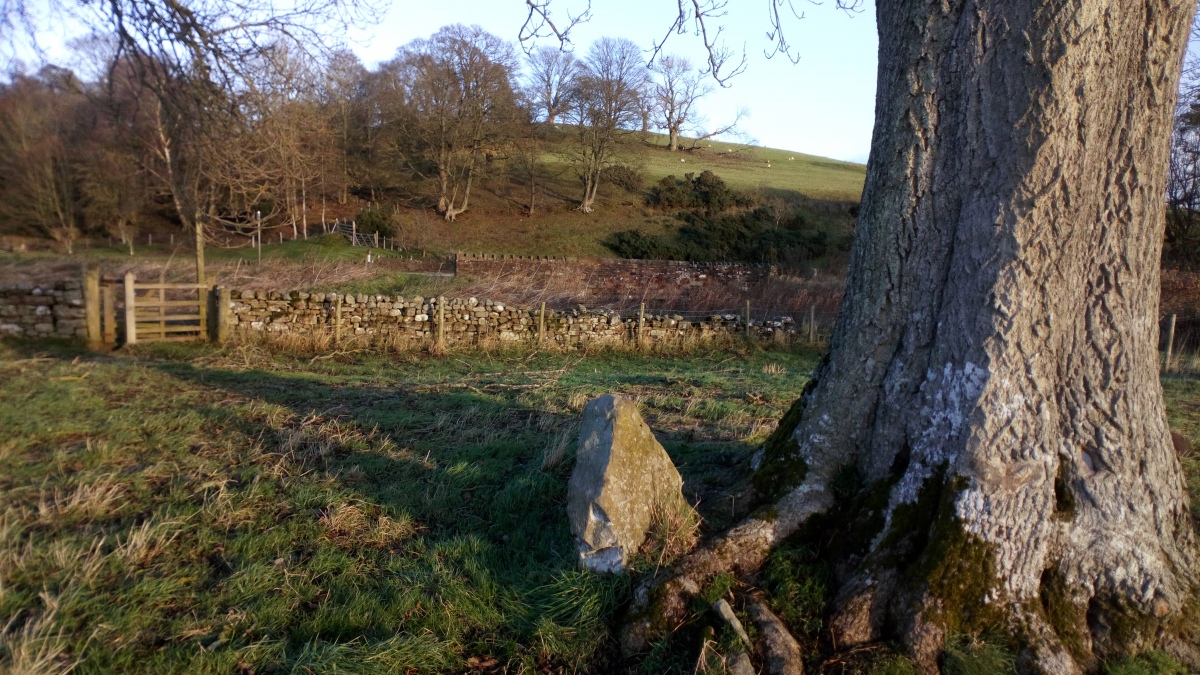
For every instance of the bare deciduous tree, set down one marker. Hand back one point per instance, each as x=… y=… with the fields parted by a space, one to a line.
x=459 y=89
x=552 y=74
x=676 y=91
x=193 y=57
x=604 y=106
x=39 y=181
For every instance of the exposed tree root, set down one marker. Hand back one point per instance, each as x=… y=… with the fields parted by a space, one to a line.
x=781 y=652
x=661 y=602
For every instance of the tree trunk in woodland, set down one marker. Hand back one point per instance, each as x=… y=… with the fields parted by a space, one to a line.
x=992 y=392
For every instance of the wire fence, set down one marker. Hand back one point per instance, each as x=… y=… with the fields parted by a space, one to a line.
x=356 y=238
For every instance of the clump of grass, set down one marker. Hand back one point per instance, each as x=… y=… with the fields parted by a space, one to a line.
x=573 y=611
x=577 y=400
x=87 y=501
x=1150 y=663
x=773 y=369
x=351 y=526
x=35 y=644
x=718 y=587
x=893 y=664
x=977 y=655
x=799 y=587
x=143 y=544
x=674 y=531
x=556 y=450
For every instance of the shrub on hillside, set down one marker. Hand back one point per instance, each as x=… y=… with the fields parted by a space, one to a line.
x=628 y=178
x=707 y=192
x=333 y=240
x=760 y=236
x=375 y=219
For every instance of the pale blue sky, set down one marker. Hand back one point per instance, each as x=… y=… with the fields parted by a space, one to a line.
x=823 y=105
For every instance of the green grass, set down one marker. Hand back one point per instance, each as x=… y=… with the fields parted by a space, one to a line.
x=182 y=508
x=746 y=169
x=399 y=283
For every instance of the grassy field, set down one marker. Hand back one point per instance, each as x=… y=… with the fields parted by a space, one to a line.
x=203 y=510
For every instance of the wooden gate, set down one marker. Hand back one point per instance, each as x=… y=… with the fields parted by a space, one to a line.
x=164 y=312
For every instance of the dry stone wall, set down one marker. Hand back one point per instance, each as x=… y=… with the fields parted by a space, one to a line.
x=466 y=320
x=42 y=311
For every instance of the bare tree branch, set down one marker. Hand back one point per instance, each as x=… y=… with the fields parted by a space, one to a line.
x=698 y=14
x=538 y=24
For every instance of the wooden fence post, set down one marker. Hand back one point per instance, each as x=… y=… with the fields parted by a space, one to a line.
x=376 y=238
x=91 y=299
x=108 y=308
x=542 y=324
x=221 y=299
x=641 y=322
x=1170 y=342
x=747 y=318
x=130 y=309
x=337 y=318
x=441 y=332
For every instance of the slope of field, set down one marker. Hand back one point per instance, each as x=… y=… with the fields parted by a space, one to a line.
x=822 y=189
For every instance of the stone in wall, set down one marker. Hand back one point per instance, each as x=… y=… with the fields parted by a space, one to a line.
x=47 y=310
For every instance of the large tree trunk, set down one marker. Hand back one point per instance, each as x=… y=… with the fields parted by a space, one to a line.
x=993 y=382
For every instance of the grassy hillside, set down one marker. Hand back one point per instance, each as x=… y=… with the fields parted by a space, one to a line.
x=820 y=188
x=745 y=167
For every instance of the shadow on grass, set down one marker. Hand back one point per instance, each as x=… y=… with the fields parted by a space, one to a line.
x=316 y=468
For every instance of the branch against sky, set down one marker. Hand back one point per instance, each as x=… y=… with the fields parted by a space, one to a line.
x=701 y=18
x=212 y=37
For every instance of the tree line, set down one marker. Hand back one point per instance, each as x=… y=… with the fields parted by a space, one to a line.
x=282 y=133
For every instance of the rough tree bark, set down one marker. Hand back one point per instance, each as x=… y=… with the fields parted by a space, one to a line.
x=992 y=388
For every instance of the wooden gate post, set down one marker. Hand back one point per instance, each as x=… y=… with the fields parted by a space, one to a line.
x=218 y=327
x=223 y=314
x=91 y=299
x=108 y=308
x=542 y=324
x=130 y=309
